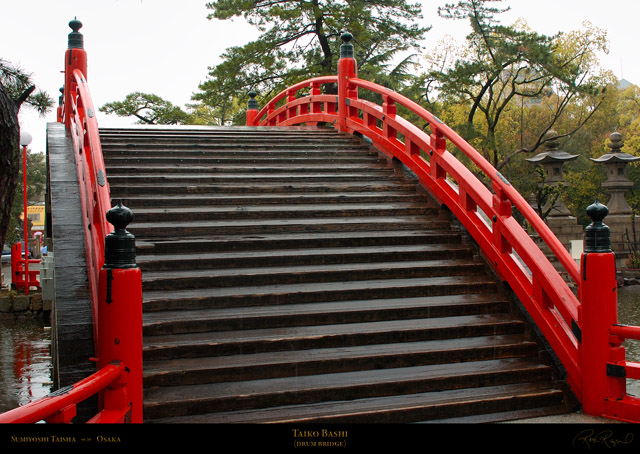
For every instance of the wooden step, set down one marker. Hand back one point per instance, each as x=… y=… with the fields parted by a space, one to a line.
x=221 y=200
x=265 y=393
x=251 y=211
x=238 y=188
x=249 y=178
x=231 y=368
x=293 y=241
x=252 y=168
x=478 y=405
x=290 y=257
x=201 y=344
x=301 y=274
x=127 y=163
x=327 y=313
x=297 y=275
x=205 y=298
x=157 y=230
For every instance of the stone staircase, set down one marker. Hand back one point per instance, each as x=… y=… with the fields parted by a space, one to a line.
x=296 y=275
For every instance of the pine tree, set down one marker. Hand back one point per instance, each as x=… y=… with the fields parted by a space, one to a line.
x=301 y=39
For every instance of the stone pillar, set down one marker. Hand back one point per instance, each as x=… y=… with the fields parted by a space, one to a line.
x=621 y=219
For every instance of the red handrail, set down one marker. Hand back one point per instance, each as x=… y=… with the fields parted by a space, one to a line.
x=59 y=406
x=94 y=188
x=484 y=210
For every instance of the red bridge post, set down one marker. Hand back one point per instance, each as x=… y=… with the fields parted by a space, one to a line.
x=75 y=58
x=120 y=315
x=252 y=109
x=599 y=311
x=347 y=68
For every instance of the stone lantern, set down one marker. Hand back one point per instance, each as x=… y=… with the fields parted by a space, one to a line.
x=552 y=160
x=621 y=221
x=617 y=183
x=560 y=221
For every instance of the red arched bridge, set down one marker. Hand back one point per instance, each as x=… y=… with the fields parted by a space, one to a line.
x=329 y=262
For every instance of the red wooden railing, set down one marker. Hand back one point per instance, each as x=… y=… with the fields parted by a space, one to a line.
x=115 y=291
x=59 y=407
x=485 y=210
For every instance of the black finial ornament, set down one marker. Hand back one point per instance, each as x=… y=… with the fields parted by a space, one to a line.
x=76 y=40
x=597 y=234
x=253 y=104
x=120 y=245
x=346 y=49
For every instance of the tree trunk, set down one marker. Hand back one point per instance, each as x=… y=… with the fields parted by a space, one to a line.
x=9 y=158
x=322 y=38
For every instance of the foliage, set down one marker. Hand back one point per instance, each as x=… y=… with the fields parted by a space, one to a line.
x=629 y=118
x=301 y=39
x=17 y=83
x=148 y=109
x=631 y=241
x=503 y=69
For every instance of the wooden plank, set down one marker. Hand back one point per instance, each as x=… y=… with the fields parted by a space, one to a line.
x=72 y=316
x=188 y=371
x=423 y=407
x=177 y=400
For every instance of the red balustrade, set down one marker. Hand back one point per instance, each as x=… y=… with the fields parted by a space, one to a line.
x=21 y=276
x=60 y=406
x=485 y=209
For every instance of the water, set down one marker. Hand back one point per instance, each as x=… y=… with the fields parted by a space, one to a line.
x=629 y=314
x=25 y=361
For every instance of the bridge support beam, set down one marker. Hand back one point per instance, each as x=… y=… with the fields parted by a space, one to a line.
x=599 y=311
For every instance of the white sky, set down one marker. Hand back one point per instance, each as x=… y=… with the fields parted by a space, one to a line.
x=165 y=46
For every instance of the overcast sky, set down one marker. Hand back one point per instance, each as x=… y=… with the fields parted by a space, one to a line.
x=165 y=46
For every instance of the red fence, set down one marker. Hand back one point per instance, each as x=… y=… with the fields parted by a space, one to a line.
x=487 y=215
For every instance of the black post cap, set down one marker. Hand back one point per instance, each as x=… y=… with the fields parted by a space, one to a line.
x=597 y=234
x=120 y=245
x=76 y=40
x=346 y=48
x=252 y=104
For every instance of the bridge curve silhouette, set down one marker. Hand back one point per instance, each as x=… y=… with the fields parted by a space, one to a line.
x=329 y=261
